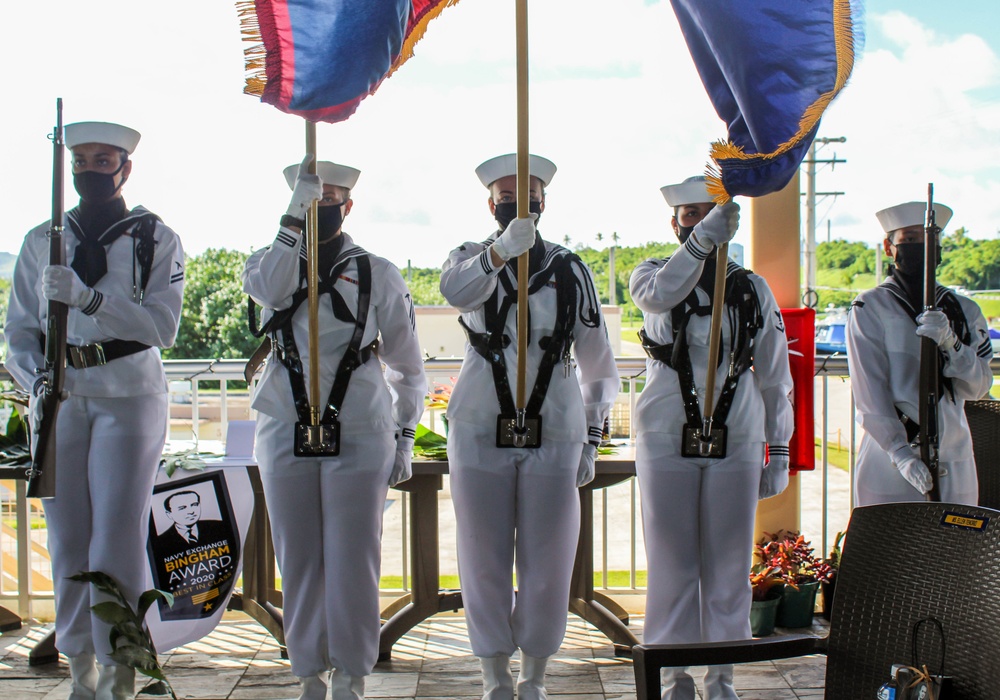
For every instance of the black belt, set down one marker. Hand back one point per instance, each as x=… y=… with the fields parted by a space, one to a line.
x=97 y=354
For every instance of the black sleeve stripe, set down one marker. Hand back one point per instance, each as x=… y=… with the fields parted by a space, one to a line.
x=778 y=450
x=95 y=303
x=176 y=277
x=985 y=349
x=408 y=432
x=287 y=238
x=696 y=250
x=486 y=262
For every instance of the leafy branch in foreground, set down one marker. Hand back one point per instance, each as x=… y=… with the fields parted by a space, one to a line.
x=131 y=643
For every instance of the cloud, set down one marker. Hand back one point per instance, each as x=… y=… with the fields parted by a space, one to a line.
x=615 y=102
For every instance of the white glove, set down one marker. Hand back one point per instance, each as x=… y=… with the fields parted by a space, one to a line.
x=585 y=474
x=308 y=188
x=934 y=324
x=912 y=469
x=517 y=238
x=60 y=283
x=402 y=467
x=774 y=478
x=719 y=225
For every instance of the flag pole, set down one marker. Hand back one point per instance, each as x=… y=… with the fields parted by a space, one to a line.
x=312 y=282
x=523 y=204
x=714 y=341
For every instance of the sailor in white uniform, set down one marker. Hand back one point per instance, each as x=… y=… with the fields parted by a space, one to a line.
x=520 y=506
x=123 y=284
x=326 y=511
x=697 y=511
x=884 y=331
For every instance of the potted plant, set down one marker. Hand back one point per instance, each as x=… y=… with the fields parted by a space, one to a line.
x=801 y=570
x=828 y=586
x=766 y=583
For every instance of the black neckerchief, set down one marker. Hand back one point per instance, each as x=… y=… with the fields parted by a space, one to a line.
x=96 y=226
x=536 y=259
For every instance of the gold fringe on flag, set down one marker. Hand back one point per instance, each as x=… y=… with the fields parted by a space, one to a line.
x=406 y=52
x=843 y=34
x=255 y=56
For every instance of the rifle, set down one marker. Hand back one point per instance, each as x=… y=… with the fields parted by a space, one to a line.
x=930 y=391
x=42 y=474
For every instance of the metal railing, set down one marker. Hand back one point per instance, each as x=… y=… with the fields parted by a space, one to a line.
x=202 y=405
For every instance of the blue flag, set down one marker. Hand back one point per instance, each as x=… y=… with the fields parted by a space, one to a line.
x=771 y=68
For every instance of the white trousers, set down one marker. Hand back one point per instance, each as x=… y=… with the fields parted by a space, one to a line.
x=878 y=480
x=107 y=452
x=697 y=517
x=326 y=524
x=514 y=506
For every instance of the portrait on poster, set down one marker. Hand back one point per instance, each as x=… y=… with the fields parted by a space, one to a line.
x=194 y=545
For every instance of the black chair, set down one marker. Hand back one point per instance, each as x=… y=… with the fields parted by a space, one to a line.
x=902 y=562
x=984 y=424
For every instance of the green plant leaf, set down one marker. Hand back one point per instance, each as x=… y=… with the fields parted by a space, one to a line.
x=147 y=599
x=426 y=438
x=140 y=659
x=101 y=581
x=112 y=613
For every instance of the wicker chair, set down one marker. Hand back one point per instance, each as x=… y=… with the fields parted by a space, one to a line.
x=984 y=423
x=902 y=563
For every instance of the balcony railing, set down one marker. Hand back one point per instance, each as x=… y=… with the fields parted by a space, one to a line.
x=202 y=405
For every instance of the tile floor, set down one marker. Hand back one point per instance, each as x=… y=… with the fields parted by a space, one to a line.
x=239 y=661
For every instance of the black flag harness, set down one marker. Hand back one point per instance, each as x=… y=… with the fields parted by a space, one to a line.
x=745 y=320
x=490 y=344
x=285 y=349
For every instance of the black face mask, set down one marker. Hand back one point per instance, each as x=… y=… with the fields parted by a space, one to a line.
x=330 y=220
x=94 y=187
x=505 y=212
x=683 y=232
x=910 y=259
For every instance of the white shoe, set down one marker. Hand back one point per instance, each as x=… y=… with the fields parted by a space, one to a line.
x=313 y=687
x=83 y=672
x=677 y=684
x=498 y=683
x=115 y=682
x=344 y=687
x=719 y=683
x=531 y=679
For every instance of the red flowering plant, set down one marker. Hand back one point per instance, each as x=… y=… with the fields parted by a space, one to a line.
x=793 y=555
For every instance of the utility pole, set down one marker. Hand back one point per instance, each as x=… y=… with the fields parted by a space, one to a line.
x=811 y=194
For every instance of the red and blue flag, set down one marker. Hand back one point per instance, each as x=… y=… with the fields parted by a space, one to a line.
x=319 y=58
x=771 y=68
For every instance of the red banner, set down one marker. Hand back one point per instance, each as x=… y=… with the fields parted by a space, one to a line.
x=800 y=327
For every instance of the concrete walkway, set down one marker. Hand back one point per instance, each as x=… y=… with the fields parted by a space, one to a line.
x=240 y=661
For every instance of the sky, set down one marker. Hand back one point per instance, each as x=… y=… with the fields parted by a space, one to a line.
x=615 y=101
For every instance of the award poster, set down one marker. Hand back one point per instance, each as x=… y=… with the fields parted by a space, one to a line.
x=197 y=526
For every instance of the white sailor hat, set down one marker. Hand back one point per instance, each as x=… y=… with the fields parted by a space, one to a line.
x=502 y=166
x=101 y=132
x=692 y=191
x=329 y=173
x=911 y=214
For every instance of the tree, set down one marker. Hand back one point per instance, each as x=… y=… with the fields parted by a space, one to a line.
x=214 y=315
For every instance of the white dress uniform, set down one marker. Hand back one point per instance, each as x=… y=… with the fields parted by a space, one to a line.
x=698 y=513
x=883 y=353
x=326 y=513
x=111 y=430
x=521 y=505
